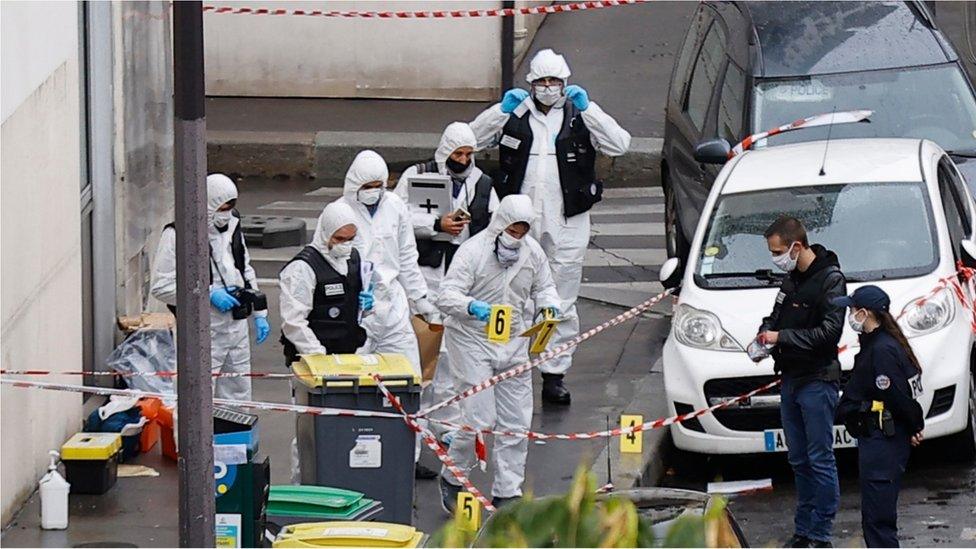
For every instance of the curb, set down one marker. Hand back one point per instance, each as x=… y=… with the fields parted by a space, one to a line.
x=327 y=155
x=648 y=468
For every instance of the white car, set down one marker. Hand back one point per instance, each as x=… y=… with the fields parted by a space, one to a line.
x=896 y=212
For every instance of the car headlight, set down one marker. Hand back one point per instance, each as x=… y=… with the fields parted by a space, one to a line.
x=702 y=329
x=932 y=315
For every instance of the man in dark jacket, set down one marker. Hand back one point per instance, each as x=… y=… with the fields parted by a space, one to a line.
x=804 y=329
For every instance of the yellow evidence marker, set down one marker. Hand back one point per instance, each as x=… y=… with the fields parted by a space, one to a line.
x=500 y=323
x=631 y=443
x=468 y=512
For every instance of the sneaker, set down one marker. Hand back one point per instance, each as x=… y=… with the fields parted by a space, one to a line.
x=449 y=493
x=498 y=502
x=422 y=472
x=797 y=541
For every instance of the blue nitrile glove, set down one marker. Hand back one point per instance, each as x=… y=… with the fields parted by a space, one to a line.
x=479 y=310
x=578 y=96
x=552 y=312
x=513 y=98
x=366 y=299
x=261 y=323
x=222 y=300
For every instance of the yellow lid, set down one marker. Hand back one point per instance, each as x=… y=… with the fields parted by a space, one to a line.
x=93 y=446
x=348 y=534
x=311 y=368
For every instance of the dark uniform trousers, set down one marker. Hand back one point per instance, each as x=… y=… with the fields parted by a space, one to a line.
x=882 y=462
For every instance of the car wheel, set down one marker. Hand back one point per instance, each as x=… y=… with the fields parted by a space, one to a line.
x=674 y=236
x=963 y=444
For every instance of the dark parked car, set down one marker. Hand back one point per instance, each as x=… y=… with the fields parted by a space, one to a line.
x=746 y=67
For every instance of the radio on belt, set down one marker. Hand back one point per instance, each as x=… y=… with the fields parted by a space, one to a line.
x=372 y=455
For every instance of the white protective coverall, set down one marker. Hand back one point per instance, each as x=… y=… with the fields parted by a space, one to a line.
x=564 y=240
x=476 y=274
x=455 y=136
x=297 y=280
x=386 y=238
x=230 y=350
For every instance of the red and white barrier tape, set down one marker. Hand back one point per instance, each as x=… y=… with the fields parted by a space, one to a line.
x=249 y=404
x=546 y=356
x=435 y=446
x=844 y=117
x=436 y=14
x=167 y=375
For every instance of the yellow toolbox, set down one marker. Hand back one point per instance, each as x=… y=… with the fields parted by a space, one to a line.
x=91 y=461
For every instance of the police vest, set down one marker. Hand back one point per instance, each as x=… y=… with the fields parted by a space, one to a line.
x=434 y=253
x=335 y=305
x=236 y=250
x=575 y=157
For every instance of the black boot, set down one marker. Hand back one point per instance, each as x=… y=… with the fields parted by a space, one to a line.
x=553 y=390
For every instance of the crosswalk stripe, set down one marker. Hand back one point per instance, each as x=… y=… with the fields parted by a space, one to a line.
x=627 y=208
x=632 y=192
x=628 y=229
x=335 y=192
x=294 y=205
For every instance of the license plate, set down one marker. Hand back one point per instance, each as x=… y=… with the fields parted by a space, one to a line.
x=775 y=440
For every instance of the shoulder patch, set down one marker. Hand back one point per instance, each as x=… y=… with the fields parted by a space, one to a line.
x=882 y=382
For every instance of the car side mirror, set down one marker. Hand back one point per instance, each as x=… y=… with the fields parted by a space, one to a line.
x=713 y=151
x=670 y=273
x=969 y=254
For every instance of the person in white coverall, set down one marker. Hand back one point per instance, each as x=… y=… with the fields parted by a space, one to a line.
x=547 y=145
x=501 y=265
x=323 y=296
x=385 y=238
x=439 y=234
x=230 y=270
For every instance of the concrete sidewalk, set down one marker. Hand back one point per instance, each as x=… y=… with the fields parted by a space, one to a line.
x=612 y=375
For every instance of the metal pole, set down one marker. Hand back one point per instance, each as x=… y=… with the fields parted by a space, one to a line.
x=195 y=405
x=508 y=48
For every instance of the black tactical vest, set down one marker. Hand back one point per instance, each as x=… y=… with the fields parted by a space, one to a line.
x=575 y=156
x=434 y=253
x=335 y=306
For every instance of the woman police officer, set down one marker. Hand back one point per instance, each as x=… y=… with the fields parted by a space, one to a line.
x=879 y=408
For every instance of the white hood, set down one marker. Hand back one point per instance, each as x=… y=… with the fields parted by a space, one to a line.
x=455 y=136
x=547 y=63
x=336 y=215
x=512 y=209
x=368 y=166
x=220 y=190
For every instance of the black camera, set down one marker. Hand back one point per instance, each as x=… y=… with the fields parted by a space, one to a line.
x=250 y=300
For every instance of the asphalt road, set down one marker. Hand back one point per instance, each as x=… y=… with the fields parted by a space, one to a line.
x=937 y=504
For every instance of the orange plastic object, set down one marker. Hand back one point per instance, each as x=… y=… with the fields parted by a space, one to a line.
x=150 y=432
x=166 y=427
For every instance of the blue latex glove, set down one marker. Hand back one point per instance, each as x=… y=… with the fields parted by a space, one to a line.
x=578 y=96
x=479 y=310
x=261 y=323
x=553 y=312
x=222 y=300
x=366 y=300
x=513 y=98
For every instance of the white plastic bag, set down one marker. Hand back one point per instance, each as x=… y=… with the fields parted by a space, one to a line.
x=145 y=351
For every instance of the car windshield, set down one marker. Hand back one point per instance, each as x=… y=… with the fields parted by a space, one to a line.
x=878 y=230
x=931 y=102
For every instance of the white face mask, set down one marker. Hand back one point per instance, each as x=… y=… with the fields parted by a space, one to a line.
x=785 y=262
x=341 y=251
x=221 y=219
x=855 y=324
x=370 y=196
x=509 y=241
x=548 y=95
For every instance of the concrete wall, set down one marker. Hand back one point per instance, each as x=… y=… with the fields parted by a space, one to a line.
x=144 y=143
x=301 y=56
x=40 y=234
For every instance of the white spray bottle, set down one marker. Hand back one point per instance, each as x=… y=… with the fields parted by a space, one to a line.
x=54 y=497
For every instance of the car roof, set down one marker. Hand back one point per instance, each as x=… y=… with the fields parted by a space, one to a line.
x=805 y=38
x=847 y=161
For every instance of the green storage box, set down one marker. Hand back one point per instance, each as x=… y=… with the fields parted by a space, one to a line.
x=289 y=504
